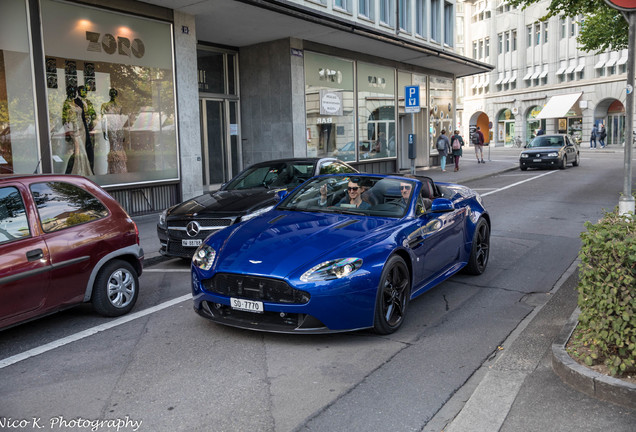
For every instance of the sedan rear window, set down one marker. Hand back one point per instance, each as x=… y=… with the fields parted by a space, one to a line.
x=63 y=205
x=13 y=221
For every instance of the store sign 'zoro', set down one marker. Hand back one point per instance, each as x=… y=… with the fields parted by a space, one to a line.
x=109 y=44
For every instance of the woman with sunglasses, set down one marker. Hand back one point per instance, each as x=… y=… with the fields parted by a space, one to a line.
x=354 y=198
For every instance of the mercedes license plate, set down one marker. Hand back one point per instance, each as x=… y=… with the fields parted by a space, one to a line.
x=191 y=242
x=246 y=305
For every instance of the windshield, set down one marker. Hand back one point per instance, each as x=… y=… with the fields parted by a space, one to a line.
x=274 y=175
x=546 y=141
x=357 y=194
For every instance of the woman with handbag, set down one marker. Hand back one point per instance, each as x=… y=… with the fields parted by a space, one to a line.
x=457 y=142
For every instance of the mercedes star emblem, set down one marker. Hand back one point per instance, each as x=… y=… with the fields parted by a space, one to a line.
x=193 y=228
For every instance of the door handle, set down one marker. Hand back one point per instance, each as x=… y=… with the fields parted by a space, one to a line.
x=34 y=255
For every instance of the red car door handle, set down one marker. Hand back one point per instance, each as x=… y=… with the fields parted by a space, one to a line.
x=34 y=255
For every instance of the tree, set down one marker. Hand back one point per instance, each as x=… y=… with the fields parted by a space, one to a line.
x=602 y=27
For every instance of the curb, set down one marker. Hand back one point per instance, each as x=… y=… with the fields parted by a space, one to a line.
x=586 y=380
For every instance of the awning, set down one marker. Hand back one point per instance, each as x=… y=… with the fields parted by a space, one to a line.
x=611 y=62
x=536 y=74
x=527 y=76
x=561 y=71
x=558 y=106
x=570 y=69
x=579 y=68
x=621 y=61
x=600 y=64
x=501 y=77
x=544 y=74
x=486 y=83
x=505 y=80
x=513 y=78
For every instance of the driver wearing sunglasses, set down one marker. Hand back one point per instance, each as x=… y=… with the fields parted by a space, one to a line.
x=354 y=198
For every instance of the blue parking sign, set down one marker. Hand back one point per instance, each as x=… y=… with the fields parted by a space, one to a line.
x=412 y=99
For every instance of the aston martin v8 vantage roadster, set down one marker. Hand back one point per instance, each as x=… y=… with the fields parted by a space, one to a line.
x=341 y=252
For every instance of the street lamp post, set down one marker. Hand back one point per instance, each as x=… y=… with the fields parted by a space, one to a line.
x=628 y=9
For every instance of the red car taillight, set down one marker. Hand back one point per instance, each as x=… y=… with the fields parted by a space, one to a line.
x=136 y=233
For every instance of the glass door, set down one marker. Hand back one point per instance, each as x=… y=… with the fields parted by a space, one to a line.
x=220 y=143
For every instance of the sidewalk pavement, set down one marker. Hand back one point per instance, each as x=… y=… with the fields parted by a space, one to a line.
x=517 y=390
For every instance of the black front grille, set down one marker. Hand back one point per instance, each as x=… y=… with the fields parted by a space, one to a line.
x=255 y=288
x=205 y=223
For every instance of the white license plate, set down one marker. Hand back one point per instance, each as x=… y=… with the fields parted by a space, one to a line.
x=536 y=160
x=246 y=305
x=191 y=243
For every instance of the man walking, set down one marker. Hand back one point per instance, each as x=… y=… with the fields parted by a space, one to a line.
x=477 y=139
x=593 y=137
x=601 y=136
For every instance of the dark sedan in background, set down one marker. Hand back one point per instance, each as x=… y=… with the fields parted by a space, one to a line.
x=550 y=151
x=182 y=228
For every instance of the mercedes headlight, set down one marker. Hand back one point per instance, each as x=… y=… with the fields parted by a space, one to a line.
x=256 y=213
x=334 y=269
x=162 y=218
x=204 y=256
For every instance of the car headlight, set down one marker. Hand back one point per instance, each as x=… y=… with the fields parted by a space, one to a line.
x=204 y=256
x=524 y=155
x=553 y=154
x=334 y=269
x=256 y=213
x=162 y=218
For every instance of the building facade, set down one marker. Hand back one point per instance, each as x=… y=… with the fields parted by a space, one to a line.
x=158 y=101
x=541 y=80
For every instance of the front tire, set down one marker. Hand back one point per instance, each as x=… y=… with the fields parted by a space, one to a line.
x=564 y=163
x=393 y=296
x=116 y=289
x=480 y=249
x=577 y=160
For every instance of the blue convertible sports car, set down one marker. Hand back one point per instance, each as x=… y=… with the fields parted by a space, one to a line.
x=341 y=252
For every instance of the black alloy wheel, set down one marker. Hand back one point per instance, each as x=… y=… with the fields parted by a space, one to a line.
x=393 y=296
x=480 y=249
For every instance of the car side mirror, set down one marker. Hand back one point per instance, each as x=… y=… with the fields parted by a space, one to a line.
x=281 y=194
x=442 y=205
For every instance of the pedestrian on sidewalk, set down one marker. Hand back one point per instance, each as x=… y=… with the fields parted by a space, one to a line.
x=477 y=139
x=601 y=135
x=593 y=137
x=443 y=148
x=457 y=142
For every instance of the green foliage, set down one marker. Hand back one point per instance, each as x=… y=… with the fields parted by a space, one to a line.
x=607 y=292
x=602 y=28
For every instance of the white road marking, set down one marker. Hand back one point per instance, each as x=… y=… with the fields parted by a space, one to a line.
x=89 y=332
x=158 y=270
x=517 y=184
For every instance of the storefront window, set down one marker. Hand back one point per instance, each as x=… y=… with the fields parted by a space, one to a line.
x=329 y=103
x=441 y=107
x=506 y=127
x=110 y=88
x=533 y=125
x=376 y=111
x=18 y=144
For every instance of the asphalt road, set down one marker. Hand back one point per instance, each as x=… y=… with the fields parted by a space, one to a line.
x=166 y=369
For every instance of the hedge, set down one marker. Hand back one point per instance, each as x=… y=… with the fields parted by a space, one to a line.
x=607 y=292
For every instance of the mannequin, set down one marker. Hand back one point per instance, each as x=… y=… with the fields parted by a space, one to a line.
x=88 y=120
x=113 y=128
x=78 y=162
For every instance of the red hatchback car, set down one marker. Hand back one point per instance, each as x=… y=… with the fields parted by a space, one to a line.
x=64 y=241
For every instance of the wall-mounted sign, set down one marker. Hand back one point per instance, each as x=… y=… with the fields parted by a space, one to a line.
x=330 y=102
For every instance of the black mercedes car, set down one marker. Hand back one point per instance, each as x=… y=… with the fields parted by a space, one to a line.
x=550 y=151
x=255 y=190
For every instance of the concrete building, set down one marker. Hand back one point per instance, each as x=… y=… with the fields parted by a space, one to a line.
x=169 y=98
x=541 y=79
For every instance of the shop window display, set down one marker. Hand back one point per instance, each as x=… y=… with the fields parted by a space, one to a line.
x=19 y=152
x=329 y=104
x=110 y=91
x=441 y=107
x=376 y=111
